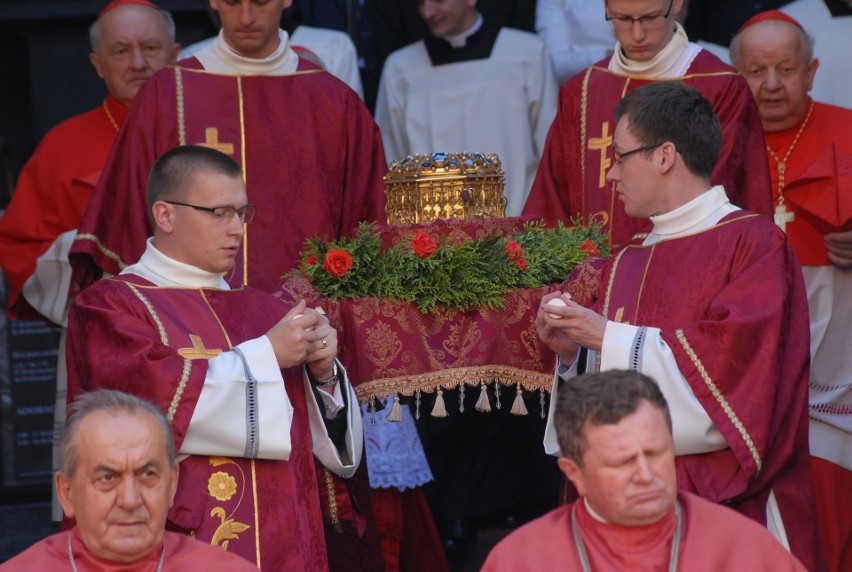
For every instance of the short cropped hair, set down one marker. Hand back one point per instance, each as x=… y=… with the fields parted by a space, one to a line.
x=174 y=171
x=601 y=399
x=95 y=29
x=669 y=110
x=806 y=43
x=113 y=402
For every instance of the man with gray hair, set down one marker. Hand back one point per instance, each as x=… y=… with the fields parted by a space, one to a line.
x=615 y=432
x=809 y=143
x=130 y=40
x=118 y=479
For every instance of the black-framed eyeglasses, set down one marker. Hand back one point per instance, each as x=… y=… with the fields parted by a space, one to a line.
x=649 y=22
x=222 y=214
x=620 y=157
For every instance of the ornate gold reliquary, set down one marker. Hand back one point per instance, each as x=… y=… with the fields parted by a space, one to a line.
x=422 y=188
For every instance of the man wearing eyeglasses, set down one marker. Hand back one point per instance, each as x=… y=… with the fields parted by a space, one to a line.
x=651 y=45
x=712 y=304
x=252 y=388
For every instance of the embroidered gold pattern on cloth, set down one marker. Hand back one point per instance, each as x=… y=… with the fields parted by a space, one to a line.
x=389 y=346
x=222 y=486
x=211 y=139
x=198 y=351
x=394 y=343
x=720 y=398
x=602 y=144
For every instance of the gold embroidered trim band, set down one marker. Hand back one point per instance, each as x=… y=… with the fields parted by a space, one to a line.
x=453 y=378
x=104 y=250
x=584 y=104
x=164 y=337
x=216 y=316
x=256 y=513
x=720 y=399
x=332 y=501
x=181 y=116
x=184 y=378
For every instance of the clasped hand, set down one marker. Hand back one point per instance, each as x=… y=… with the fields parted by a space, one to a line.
x=565 y=328
x=839 y=245
x=304 y=335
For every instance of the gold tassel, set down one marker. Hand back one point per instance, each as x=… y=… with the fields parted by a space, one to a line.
x=440 y=410
x=483 y=405
x=518 y=407
x=395 y=415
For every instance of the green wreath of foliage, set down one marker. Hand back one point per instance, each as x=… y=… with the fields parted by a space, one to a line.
x=472 y=274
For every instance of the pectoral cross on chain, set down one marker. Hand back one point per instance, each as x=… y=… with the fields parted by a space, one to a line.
x=211 y=135
x=601 y=144
x=198 y=351
x=782 y=217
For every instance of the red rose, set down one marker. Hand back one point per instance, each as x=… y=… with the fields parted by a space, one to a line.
x=521 y=263
x=423 y=245
x=312 y=260
x=337 y=262
x=590 y=248
x=514 y=250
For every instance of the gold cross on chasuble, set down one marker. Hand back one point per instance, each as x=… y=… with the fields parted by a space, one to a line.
x=782 y=217
x=198 y=351
x=601 y=144
x=212 y=140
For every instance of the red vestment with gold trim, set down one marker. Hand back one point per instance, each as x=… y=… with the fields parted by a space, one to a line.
x=578 y=151
x=46 y=202
x=125 y=334
x=310 y=151
x=739 y=333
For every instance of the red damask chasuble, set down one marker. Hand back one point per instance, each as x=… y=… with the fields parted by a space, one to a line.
x=739 y=332
x=578 y=152
x=310 y=153
x=159 y=341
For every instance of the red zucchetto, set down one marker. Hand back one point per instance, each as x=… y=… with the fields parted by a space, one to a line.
x=770 y=16
x=119 y=3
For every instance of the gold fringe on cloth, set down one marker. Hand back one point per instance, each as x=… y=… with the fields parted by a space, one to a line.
x=518 y=406
x=395 y=414
x=440 y=410
x=483 y=405
x=458 y=378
